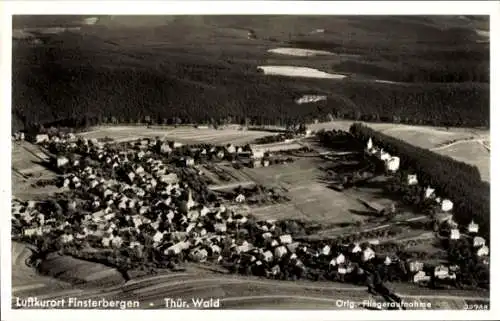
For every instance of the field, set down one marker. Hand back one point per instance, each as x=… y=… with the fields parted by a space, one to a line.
x=294 y=71
x=187 y=135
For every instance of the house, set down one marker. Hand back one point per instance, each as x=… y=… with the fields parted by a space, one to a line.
x=292 y=247
x=387 y=260
x=165 y=149
x=41 y=138
x=266 y=163
x=446 y=205
x=257 y=153
x=158 y=237
x=483 y=251
x=62 y=161
x=340 y=259
x=220 y=154
x=215 y=249
x=374 y=242
x=169 y=178
x=356 y=248
x=177 y=144
x=420 y=276
x=384 y=156
x=326 y=250
x=243 y=248
x=368 y=254
x=268 y=256
x=333 y=262
x=429 y=192
x=275 y=270
x=279 y=252
x=392 y=164
x=454 y=234
x=256 y=163
x=266 y=236
x=412 y=179
x=67 y=238
x=473 y=227
x=231 y=149
x=479 y=241
x=342 y=270
x=116 y=242
x=369 y=144
x=106 y=241
x=220 y=227
x=285 y=239
x=415 y=266
x=199 y=255
x=240 y=198
x=441 y=272
x=189 y=161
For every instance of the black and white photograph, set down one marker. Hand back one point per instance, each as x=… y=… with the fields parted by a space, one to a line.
x=176 y=162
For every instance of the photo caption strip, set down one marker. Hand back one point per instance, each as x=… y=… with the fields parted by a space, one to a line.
x=33 y=302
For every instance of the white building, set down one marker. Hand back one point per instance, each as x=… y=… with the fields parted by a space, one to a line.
x=479 y=241
x=473 y=227
x=392 y=164
x=454 y=234
x=189 y=161
x=62 y=161
x=240 y=198
x=446 y=205
x=420 y=276
x=483 y=251
x=415 y=266
x=368 y=254
x=429 y=192
x=387 y=260
x=41 y=138
x=369 y=144
x=326 y=250
x=285 y=239
x=340 y=259
x=441 y=272
x=412 y=179
x=356 y=248
x=268 y=256
x=279 y=252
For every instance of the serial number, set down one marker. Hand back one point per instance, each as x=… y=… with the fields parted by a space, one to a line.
x=476 y=307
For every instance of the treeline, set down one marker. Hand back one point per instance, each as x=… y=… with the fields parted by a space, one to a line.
x=452 y=179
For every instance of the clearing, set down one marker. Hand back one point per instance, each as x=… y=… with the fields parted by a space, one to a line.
x=295 y=71
x=300 y=52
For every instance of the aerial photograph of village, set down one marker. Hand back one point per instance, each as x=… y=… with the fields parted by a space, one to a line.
x=250 y=162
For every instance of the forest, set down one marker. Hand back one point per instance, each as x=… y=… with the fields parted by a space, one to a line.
x=77 y=81
x=452 y=179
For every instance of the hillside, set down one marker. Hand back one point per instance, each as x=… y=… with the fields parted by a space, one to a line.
x=204 y=68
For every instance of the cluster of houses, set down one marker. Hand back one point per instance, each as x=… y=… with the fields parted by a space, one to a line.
x=446 y=206
x=135 y=199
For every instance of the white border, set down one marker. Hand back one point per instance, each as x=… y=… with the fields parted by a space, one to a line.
x=230 y=7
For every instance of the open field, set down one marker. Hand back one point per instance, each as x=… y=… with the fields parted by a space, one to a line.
x=300 y=52
x=182 y=134
x=311 y=200
x=295 y=71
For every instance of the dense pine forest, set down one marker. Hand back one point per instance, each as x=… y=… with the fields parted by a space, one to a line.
x=161 y=75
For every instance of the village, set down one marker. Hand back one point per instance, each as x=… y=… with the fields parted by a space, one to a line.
x=154 y=203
